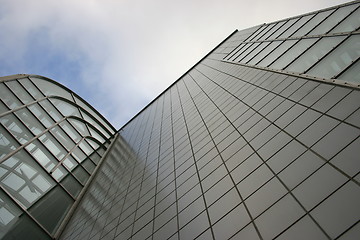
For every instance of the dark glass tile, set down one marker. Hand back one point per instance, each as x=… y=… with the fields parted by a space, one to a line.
x=339 y=211
x=231 y=223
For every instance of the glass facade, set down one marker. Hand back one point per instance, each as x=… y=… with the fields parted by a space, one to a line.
x=259 y=140
x=323 y=44
x=51 y=142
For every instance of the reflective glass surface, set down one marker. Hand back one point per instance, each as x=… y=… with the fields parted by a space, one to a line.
x=38 y=143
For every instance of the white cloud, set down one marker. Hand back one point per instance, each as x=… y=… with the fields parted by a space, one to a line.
x=133 y=48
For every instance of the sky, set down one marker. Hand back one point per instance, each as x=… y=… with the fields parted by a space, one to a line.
x=120 y=54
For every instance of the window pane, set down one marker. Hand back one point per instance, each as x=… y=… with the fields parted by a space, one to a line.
x=19 y=91
x=264 y=52
x=42 y=155
x=95 y=124
x=30 y=121
x=87 y=108
x=53 y=146
x=312 y=23
x=65 y=108
x=7 y=143
x=62 y=137
x=338 y=59
x=51 y=89
x=16 y=128
x=29 y=86
x=349 y=24
x=41 y=115
x=295 y=51
x=272 y=30
x=246 y=52
x=80 y=126
x=277 y=52
x=283 y=28
x=256 y=51
x=8 y=97
x=52 y=208
x=352 y=74
x=70 y=131
x=25 y=180
x=71 y=185
x=333 y=19
x=313 y=54
x=294 y=27
x=15 y=224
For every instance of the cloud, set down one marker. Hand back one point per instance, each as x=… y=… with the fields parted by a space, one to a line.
x=119 y=55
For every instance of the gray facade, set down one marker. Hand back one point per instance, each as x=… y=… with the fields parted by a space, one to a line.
x=259 y=140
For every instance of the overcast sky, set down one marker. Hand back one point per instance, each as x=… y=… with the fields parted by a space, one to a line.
x=120 y=54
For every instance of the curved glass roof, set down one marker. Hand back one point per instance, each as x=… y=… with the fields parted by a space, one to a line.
x=51 y=141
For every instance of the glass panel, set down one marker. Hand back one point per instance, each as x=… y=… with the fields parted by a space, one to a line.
x=78 y=155
x=95 y=158
x=96 y=135
x=3 y=108
x=19 y=91
x=340 y=211
x=351 y=23
x=59 y=173
x=312 y=23
x=80 y=126
x=295 y=51
x=272 y=30
x=338 y=59
x=81 y=174
x=264 y=52
x=65 y=108
x=70 y=131
x=283 y=28
x=87 y=108
x=89 y=165
x=41 y=115
x=8 y=97
x=30 y=121
x=313 y=54
x=51 y=89
x=264 y=31
x=16 y=128
x=256 y=33
x=63 y=138
x=70 y=163
x=29 y=86
x=9 y=214
x=294 y=27
x=7 y=143
x=86 y=147
x=256 y=51
x=352 y=74
x=42 y=155
x=15 y=224
x=49 y=108
x=53 y=146
x=332 y=20
x=246 y=52
x=24 y=179
x=96 y=125
x=237 y=50
x=93 y=143
x=71 y=185
x=277 y=52
x=51 y=209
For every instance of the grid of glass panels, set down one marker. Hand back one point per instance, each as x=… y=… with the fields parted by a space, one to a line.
x=323 y=44
x=51 y=142
x=231 y=152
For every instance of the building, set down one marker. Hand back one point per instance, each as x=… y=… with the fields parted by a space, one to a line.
x=259 y=140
